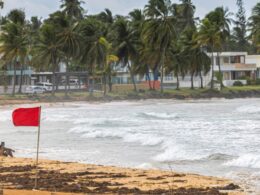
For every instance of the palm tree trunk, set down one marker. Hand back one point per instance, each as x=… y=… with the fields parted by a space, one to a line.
x=178 y=81
x=105 y=84
x=14 y=81
x=162 y=69
x=88 y=83
x=132 y=77
x=67 y=79
x=220 y=72
x=110 y=82
x=201 y=81
x=192 y=80
x=21 y=79
x=154 y=75
x=148 y=77
x=79 y=82
x=212 y=71
x=53 y=81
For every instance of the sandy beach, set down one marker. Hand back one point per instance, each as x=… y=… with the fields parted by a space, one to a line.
x=17 y=177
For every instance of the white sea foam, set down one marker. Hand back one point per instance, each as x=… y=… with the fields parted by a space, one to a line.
x=246 y=160
x=145 y=166
x=250 y=109
x=143 y=139
x=156 y=115
x=176 y=152
x=5 y=115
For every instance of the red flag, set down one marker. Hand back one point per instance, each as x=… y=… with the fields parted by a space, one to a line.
x=27 y=117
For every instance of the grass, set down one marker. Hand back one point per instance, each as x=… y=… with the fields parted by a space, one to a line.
x=245 y=88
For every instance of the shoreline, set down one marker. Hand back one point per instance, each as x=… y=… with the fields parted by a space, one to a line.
x=67 y=177
x=131 y=96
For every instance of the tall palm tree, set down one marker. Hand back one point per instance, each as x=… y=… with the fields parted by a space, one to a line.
x=13 y=47
x=220 y=18
x=139 y=61
x=47 y=51
x=159 y=29
x=69 y=38
x=125 y=42
x=198 y=61
x=17 y=17
x=209 y=37
x=93 y=53
x=110 y=59
x=186 y=41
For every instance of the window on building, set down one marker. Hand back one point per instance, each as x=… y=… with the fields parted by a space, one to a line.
x=242 y=59
x=226 y=60
x=235 y=59
x=232 y=59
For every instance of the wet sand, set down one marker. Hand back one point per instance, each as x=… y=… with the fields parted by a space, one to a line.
x=18 y=174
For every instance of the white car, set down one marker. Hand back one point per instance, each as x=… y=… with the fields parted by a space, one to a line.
x=34 y=90
x=46 y=86
x=74 y=82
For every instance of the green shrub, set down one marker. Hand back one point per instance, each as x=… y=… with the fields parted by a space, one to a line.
x=238 y=84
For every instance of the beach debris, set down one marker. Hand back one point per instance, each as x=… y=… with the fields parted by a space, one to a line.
x=6 y=152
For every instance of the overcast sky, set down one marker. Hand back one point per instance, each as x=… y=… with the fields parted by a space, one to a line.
x=43 y=8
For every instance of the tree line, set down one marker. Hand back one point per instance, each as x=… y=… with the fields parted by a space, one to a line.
x=161 y=38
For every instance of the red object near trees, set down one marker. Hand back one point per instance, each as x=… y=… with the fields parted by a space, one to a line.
x=27 y=117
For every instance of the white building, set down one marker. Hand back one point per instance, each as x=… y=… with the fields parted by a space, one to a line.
x=254 y=59
x=234 y=66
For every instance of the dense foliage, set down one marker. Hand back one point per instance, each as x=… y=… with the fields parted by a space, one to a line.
x=164 y=37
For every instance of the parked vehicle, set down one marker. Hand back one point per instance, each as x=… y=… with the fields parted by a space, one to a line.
x=34 y=90
x=46 y=86
x=74 y=82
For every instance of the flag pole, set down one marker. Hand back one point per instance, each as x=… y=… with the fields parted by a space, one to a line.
x=38 y=147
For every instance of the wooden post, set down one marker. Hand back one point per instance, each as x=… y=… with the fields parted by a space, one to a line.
x=38 y=147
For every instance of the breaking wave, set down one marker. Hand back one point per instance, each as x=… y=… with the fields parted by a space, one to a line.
x=250 y=109
x=127 y=135
x=247 y=160
x=154 y=115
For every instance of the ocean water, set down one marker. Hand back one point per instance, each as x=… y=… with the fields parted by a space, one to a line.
x=210 y=137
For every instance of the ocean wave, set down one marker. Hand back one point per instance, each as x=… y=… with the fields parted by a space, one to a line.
x=155 y=115
x=250 y=109
x=247 y=160
x=128 y=135
x=219 y=156
x=144 y=139
x=5 y=116
x=177 y=153
x=106 y=123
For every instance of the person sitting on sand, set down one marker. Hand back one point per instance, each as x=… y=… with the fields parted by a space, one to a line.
x=5 y=151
